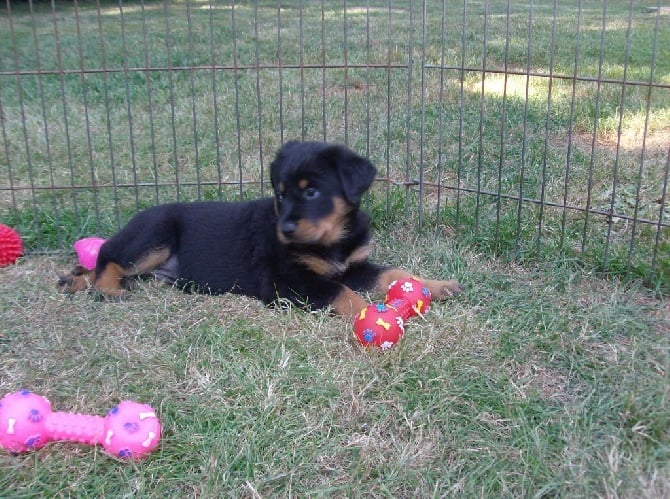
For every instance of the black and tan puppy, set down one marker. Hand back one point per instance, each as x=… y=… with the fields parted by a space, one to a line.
x=307 y=244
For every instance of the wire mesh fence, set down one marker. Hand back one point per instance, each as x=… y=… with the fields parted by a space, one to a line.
x=536 y=131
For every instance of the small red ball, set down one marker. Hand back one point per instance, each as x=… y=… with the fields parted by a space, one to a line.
x=414 y=292
x=11 y=246
x=379 y=325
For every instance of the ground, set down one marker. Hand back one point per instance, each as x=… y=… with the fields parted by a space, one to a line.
x=532 y=383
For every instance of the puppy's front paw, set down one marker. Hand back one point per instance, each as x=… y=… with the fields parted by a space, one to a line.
x=79 y=279
x=444 y=289
x=452 y=288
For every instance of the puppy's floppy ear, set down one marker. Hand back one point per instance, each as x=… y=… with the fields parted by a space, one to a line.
x=356 y=173
x=278 y=161
x=288 y=155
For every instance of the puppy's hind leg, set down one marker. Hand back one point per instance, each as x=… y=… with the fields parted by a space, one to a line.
x=347 y=303
x=111 y=275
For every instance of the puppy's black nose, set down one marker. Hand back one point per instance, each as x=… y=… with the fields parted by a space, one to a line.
x=288 y=227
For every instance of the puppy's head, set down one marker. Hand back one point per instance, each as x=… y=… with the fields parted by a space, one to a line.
x=317 y=188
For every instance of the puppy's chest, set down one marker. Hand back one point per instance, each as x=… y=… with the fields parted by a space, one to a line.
x=333 y=263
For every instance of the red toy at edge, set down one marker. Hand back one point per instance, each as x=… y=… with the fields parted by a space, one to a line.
x=11 y=246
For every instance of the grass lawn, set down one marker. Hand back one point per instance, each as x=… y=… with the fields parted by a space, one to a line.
x=549 y=377
x=534 y=383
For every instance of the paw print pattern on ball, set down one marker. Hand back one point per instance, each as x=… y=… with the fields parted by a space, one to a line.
x=131 y=426
x=368 y=335
x=34 y=441
x=34 y=416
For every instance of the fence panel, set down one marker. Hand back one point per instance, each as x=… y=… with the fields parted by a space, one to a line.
x=538 y=131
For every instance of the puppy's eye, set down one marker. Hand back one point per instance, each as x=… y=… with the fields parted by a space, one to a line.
x=310 y=193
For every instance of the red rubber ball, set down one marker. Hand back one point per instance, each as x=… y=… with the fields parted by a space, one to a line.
x=379 y=325
x=11 y=246
x=414 y=292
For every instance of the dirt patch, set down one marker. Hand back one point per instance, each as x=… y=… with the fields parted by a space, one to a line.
x=550 y=383
x=631 y=141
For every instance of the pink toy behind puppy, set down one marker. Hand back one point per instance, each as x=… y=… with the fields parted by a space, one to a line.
x=87 y=251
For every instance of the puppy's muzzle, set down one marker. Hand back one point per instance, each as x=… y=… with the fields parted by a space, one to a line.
x=288 y=228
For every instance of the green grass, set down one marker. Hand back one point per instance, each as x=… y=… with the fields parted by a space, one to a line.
x=534 y=383
x=545 y=379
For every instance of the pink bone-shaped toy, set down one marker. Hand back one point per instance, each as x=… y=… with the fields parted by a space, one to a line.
x=130 y=430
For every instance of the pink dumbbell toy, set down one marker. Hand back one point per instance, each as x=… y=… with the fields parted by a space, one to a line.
x=130 y=430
